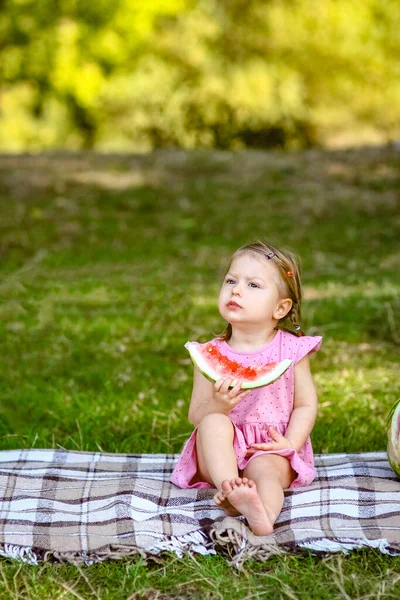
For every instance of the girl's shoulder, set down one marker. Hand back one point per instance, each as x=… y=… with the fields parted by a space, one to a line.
x=296 y=347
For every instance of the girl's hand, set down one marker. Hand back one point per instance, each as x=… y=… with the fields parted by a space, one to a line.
x=228 y=396
x=279 y=442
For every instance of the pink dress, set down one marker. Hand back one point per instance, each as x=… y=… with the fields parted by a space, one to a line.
x=268 y=405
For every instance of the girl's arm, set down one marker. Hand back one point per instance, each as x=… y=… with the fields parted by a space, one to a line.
x=305 y=405
x=303 y=415
x=209 y=397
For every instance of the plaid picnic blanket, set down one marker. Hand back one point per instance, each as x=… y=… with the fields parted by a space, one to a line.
x=84 y=507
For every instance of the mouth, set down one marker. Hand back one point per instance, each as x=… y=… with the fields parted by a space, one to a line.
x=233 y=305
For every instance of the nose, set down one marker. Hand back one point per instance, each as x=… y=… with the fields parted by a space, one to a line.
x=236 y=289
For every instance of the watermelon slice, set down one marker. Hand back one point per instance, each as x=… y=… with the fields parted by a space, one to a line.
x=393 y=447
x=214 y=365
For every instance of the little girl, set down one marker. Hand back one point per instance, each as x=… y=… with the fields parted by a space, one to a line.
x=253 y=444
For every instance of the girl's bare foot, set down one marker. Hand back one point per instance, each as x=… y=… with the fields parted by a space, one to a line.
x=243 y=495
x=221 y=499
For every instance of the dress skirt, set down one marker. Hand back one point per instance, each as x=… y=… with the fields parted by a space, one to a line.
x=185 y=473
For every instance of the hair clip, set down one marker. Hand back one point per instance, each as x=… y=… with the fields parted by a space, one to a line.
x=290 y=274
x=297 y=328
x=269 y=255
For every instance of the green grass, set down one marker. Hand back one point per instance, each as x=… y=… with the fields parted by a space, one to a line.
x=361 y=575
x=109 y=264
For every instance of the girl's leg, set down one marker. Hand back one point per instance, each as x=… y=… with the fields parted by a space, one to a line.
x=272 y=474
x=258 y=495
x=216 y=458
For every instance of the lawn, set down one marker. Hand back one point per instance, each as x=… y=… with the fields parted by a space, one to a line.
x=110 y=263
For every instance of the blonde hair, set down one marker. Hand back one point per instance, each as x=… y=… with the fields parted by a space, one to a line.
x=290 y=284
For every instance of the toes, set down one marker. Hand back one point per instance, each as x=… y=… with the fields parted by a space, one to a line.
x=237 y=482
x=240 y=482
x=218 y=498
x=226 y=486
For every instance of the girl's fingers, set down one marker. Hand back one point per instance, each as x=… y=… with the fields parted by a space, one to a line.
x=274 y=434
x=232 y=388
x=226 y=385
x=218 y=384
x=235 y=390
x=262 y=446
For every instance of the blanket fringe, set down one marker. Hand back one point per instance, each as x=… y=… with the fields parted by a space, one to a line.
x=346 y=545
x=196 y=541
x=234 y=537
x=22 y=553
x=234 y=542
x=238 y=541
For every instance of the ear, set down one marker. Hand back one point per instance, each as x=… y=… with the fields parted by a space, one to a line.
x=282 y=308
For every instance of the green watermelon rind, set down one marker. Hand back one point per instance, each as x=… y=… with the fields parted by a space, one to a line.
x=393 y=447
x=212 y=375
x=395 y=466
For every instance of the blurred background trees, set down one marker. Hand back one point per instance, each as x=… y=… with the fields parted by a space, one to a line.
x=132 y=75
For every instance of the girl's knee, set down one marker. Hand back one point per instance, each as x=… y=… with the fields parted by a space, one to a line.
x=272 y=467
x=261 y=468
x=215 y=421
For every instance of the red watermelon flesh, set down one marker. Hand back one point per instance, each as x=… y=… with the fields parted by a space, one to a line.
x=215 y=365
x=231 y=368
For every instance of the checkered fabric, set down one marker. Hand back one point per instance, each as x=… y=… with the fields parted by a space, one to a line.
x=86 y=507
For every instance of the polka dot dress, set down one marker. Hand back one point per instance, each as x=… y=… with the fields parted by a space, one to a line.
x=268 y=405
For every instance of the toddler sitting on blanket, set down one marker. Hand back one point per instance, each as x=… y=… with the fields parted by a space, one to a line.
x=253 y=444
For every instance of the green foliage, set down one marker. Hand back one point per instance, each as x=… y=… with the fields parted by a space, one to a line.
x=128 y=74
x=56 y=59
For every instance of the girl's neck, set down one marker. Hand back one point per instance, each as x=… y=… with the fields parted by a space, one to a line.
x=243 y=341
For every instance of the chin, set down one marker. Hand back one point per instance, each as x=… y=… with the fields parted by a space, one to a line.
x=226 y=315
x=232 y=317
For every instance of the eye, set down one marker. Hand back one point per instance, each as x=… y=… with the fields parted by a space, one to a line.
x=229 y=280
x=254 y=285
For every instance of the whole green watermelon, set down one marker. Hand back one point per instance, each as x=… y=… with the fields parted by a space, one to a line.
x=393 y=447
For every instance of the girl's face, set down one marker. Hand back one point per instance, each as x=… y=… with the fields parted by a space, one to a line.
x=250 y=292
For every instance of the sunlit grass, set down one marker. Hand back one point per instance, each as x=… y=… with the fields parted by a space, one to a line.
x=362 y=575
